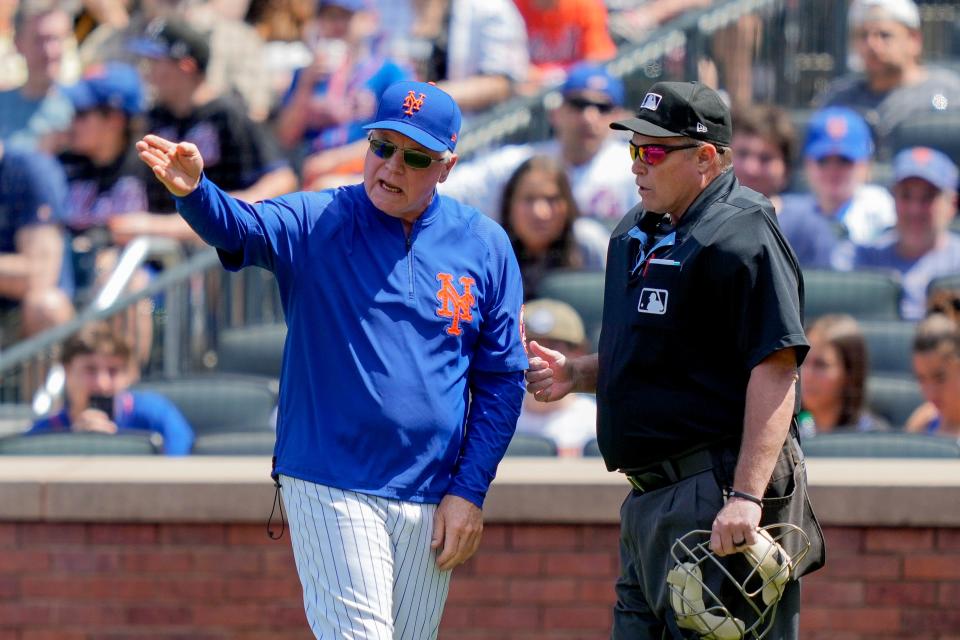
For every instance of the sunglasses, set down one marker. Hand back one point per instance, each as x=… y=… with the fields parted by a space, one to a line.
x=654 y=154
x=835 y=160
x=411 y=157
x=582 y=104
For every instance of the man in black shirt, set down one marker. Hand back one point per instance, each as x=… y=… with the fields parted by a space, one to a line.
x=239 y=154
x=696 y=373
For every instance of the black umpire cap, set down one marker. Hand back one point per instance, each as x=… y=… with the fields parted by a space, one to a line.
x=688 y=109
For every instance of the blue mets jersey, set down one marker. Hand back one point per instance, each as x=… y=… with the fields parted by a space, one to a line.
x=402 y=368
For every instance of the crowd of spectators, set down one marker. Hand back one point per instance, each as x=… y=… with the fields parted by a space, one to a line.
x=275 y=95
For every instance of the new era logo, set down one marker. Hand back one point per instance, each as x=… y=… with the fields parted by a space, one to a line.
x=651 y=101
x=701 y=128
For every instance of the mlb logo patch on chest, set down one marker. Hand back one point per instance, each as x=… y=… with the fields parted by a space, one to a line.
x=653 y=301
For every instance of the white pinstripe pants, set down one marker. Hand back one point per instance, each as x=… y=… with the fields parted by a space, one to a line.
x=365 y=563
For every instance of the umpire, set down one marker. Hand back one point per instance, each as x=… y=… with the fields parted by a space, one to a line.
x=696 y=375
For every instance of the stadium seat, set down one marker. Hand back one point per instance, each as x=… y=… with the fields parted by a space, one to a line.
x=235 y=444
x=125 y=443
x=528 y=444
x=893 y=398
x=582 y=290
x=890 y=346
x=221 y=403
x=255 y=350
x=944 y=283
x=937 y=129
x=15 y=418
x=866 y=295
x=880 y=444
x=591 y=449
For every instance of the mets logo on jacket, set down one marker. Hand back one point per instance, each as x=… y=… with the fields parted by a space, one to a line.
x=454 y=305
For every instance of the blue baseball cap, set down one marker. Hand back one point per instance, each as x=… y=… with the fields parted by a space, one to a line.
x=422 y=112
x=114 y=84
x=928 y=164
x=586 y=76
x=838 y=131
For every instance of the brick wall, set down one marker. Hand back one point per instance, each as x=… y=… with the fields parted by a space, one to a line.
x=109 y=581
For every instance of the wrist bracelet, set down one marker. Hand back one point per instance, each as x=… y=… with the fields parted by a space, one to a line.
x=733 y=493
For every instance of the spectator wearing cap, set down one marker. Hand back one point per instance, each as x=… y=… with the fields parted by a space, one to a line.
x=330 y=100
x=894 y=85
x=108 y=194
x=103 y=172
x=239 y=154
x=36 y=114
x=921 y=247
x=763 y=152
x=837 y=159
x=599 y=172
x=571 y=422
x=403 y=368
x=237 y=64
x=696 y=372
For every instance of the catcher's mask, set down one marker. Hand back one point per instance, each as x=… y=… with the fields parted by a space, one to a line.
x=752 y=589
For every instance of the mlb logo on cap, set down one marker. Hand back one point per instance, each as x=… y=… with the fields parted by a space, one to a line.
x=651 y=101
x=685 y=109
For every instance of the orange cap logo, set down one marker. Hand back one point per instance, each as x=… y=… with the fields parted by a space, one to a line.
x=412 y=103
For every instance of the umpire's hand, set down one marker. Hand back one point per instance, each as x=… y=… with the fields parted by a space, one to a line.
x=177 y=165
x=550 y=374
x=457 y=525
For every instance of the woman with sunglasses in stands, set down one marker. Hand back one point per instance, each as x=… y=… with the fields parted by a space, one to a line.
x=696 y=373
x=403 y=367
x=543 y=223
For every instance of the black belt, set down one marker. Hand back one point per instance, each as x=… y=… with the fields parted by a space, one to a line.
x=670 y=471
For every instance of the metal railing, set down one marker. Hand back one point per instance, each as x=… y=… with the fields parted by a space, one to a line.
x=776 y=51
x=26 y=366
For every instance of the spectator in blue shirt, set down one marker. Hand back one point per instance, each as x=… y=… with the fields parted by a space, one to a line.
x=921 y=247
x=37 y=114
x=99 y=367
x=35 y=281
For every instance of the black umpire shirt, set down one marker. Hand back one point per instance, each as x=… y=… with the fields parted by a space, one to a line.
x=683 y=328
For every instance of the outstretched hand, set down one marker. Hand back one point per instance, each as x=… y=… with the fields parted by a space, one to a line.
x=550 y=375
x=177 y=165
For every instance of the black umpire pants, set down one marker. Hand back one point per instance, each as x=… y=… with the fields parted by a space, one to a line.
x=651 y=522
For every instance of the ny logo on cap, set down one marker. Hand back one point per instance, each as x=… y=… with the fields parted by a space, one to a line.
x=651 y=101
x=836 y=127
x=412 y=103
